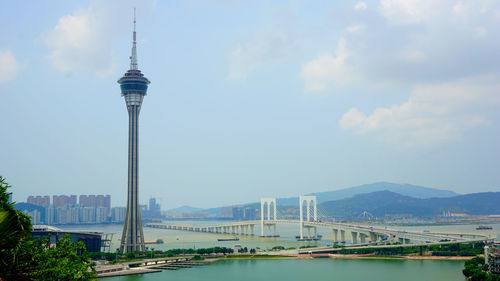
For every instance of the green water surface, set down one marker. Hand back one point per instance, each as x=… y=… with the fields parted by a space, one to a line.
x=311 y=269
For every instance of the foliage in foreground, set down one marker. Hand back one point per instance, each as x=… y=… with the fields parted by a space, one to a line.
x=24 y=258
x=475 y=270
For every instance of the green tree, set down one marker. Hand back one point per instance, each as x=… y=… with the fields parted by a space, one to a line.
x=23 y=258
x=15 y=230
x=67 y=261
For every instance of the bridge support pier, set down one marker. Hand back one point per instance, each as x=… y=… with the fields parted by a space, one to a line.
x=354 y=236
x=404 y=240
x=335 y=236
x=251 y=229
x=342 y=236
x=362 y=237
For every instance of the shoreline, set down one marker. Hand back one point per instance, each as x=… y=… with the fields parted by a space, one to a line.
x=208 y=261
x=340 y=256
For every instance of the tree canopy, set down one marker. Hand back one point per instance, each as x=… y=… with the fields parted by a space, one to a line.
x=24 y=258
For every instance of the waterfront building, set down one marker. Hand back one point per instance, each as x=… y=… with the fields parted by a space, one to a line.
x=87 y=214
x=237 y=213
x=66 y=215
x=96 y=201
x=63 y=200
x=240 y=213
x=49 y=215
x=492 y=257
x=118 y=214
x=133 y=87
x=250 y=214
x=91 y=239
x=101 y=214
x=43 y=201
x=154 y=208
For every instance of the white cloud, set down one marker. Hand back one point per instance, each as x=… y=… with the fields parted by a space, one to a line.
x=411 y=11
x=79 y=42
x=425 y=41
x=9 y=66
x=256 y=52
x=414 y=55
x=434 y=113
x=360 y=6
x=327 y=68
x=355 y=28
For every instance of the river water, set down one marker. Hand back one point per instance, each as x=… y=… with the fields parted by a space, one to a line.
x=311 y=269
x=290 y=270
x=185 y=239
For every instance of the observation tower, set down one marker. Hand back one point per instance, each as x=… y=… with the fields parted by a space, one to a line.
x=133 y=87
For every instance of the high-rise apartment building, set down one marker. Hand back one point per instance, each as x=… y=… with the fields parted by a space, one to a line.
x=43 y=201
x=118 y=214
x=63 y=200
x=96 y=201
x=154 y=208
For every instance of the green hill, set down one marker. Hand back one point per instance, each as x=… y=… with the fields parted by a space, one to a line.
x=403 y=189
x=383 y=203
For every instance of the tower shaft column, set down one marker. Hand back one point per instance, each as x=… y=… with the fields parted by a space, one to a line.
x=132 y=236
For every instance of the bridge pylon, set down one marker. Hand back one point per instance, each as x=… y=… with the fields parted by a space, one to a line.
x=266 y=220
x=310 y=204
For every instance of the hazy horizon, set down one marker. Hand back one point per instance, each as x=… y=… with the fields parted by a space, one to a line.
x=250 y=99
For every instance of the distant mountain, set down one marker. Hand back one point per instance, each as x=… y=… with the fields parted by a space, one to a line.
x=185 y=209
x=403 y=189
x=380 y=203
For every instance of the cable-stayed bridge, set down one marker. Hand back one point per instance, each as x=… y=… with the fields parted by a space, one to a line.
x=310 y=219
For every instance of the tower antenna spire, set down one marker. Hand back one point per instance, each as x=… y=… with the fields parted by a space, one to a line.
x=133 y=58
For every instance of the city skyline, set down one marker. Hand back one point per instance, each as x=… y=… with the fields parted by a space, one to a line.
x=288 y=99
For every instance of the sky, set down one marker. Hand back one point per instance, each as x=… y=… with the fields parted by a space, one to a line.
x=250 y=99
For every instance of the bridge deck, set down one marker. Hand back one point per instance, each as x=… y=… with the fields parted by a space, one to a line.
x=374 y=233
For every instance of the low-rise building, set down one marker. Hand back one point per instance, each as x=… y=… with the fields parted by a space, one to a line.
x=492 y=257
x=93 y=240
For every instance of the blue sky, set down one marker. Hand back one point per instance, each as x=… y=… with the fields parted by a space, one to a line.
x=250 y=99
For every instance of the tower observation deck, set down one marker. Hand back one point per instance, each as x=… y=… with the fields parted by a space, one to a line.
x=133 y=87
